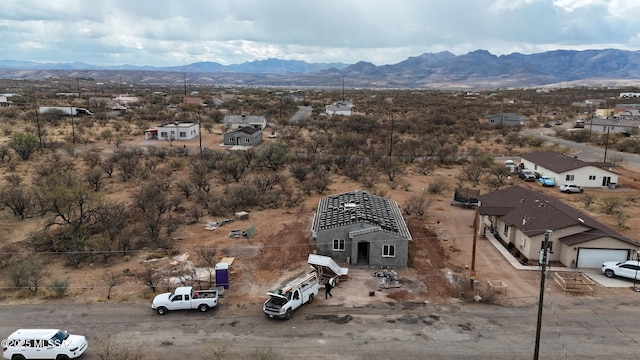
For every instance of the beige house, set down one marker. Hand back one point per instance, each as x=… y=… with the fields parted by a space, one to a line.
x=519 y=217
x=339 y=108
x=234 y=122
x=563 y=168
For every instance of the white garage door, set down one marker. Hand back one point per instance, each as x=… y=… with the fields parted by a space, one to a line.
x=593 y=258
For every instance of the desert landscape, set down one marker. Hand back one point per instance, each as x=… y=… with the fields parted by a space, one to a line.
x=439 y=254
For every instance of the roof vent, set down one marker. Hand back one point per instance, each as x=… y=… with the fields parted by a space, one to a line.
x=580 y=219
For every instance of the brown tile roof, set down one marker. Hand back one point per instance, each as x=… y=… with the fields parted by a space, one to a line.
x=194 y=100
x=559 y=163
x=533 y=213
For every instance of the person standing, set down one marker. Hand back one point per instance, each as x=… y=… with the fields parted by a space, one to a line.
x=327 y=289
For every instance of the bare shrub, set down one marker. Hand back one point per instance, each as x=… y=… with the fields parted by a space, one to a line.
x=611 y=203
x=112 y=279
x=27 y=273
x=417 y=205
x=109 y=350
x=438 y=186
x=588 y=199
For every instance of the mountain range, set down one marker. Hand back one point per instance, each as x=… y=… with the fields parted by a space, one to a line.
x=475 y=70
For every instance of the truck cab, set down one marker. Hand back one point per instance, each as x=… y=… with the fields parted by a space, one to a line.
x=184 y=298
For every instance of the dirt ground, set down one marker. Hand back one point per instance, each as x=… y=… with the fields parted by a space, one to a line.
x=439 y=254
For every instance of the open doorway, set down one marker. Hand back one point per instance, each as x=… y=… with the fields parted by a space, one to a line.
x=363 y=253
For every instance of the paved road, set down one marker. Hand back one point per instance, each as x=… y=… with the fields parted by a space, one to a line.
x=586 y=152
x=302 y=113
x=579 y=328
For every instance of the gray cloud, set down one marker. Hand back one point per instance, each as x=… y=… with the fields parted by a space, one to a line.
x=167 y=32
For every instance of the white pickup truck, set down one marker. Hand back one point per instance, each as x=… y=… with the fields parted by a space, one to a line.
x=291 y=295
x=185 y=297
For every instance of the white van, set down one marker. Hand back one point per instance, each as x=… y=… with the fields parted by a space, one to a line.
x=43 y=344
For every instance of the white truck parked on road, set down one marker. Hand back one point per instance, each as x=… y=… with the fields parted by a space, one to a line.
x=290 y=295
x=185 y=297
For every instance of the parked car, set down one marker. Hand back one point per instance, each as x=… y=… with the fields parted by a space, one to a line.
x=558 y=122
x=511 y=165
x=527 y=175
x=570 y=188
x=547 y=125
x=52 y=344
x=546 y=181
x=629 y=269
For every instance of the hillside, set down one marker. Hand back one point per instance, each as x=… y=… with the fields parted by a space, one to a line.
x=475 y=70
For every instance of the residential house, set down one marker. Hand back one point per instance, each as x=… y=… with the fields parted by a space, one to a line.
x=626 y=113
x=65 y=110
x=173 y=131
x=246 y=136
x=126 y=99
x=519 y=218
x=234 y=122
x=629 y=106
x=192 y=100
x=613 y=126
x=3 y=101
x=506 y=119
x=603 y=113
x=362 y=229
x=563 y=168
x=339 y=108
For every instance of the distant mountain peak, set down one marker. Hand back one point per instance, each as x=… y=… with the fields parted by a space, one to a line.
x=474 y=70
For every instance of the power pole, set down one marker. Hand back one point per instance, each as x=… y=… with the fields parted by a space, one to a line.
x=73 y=128
x=606 y=146
x=35 y=102
x=544 y=260
x=391 y=137
x=184 y=79
x=200 y=135
x=472 y=272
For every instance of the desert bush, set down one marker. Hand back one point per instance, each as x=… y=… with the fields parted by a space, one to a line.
x=27 y=273
x=262 y=354
x=59 y=287
x=438 y=186
x=611 y=203
x=417 y=205
x=588 y=199
x=621 y=218
x=109 y=350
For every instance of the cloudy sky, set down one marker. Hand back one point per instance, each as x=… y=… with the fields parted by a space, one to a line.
x=171 y=32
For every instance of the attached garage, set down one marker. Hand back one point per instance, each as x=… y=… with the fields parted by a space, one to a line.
x=593 y=258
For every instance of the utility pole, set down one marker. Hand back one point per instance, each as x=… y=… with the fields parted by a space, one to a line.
x=635 y=278
x=35 y=102
x=472 y=272
x=590 y=122
x=544 y=261
x=606 y=146
x=73 y=128
x=200 y=135
x=391 y=137
x=184 y=80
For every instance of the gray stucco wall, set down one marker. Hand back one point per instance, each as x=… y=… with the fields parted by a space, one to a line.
x=232 y=138
x=375 y=240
